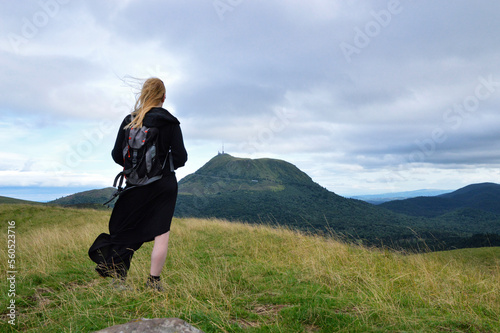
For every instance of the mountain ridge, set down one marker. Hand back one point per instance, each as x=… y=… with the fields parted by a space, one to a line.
x=276 y=192
x=481 y=196
x=230 y=188
x=9 y=200
x=86 y=199
x=377 y=199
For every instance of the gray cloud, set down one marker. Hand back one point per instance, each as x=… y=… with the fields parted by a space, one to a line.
x=390 y=103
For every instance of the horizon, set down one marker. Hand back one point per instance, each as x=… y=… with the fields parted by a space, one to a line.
x=47 y=194
x=366 y=98
x=44 y=194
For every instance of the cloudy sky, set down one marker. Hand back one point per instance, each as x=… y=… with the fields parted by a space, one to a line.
x=364 y=96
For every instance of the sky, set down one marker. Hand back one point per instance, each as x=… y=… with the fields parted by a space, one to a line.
x=364 y=96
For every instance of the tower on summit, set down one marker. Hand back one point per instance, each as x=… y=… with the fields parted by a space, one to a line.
x=221 y=153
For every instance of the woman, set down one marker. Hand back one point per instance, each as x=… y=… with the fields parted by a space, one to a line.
x=144 y=213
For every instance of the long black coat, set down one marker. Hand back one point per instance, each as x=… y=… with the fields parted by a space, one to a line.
x=141 y=213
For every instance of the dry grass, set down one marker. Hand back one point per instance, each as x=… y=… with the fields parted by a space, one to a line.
x=226 y=277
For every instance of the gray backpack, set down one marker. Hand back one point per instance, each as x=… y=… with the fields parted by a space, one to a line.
x=141 y=163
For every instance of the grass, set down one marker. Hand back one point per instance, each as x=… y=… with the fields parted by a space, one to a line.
x=231 y=277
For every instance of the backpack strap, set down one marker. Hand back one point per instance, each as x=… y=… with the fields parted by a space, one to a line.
x=118 y=179
x=170 y=161
x=120 y=190
x=170 y=156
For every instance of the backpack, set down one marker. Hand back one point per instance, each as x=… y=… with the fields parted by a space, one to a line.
x=141 y=163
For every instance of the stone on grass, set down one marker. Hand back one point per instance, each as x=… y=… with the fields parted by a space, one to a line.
x=157 y=325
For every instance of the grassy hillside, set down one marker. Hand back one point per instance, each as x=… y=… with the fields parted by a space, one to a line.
x=87 y=199
x=231 y=277
x=7 y=200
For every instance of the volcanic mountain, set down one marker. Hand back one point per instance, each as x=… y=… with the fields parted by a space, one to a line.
x=276 y=192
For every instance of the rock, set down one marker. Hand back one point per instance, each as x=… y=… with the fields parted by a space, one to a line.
x=157 y=325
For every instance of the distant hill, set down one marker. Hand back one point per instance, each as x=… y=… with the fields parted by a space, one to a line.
x=474 y=208
x=86 y=199
x=483 y=197
x=273 y=191
x=277 y=192
x=40 y=193
x=7 y=200
x=377 y=199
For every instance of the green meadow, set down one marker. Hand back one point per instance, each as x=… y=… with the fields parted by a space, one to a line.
x=230 y=277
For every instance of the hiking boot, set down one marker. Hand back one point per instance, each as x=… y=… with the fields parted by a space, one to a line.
x=155 y=284
x=102 y=270
x=120 y=285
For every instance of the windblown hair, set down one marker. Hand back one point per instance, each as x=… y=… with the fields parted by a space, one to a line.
x=152 y=94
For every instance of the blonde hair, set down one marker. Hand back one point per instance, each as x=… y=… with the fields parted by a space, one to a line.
x=152 y=95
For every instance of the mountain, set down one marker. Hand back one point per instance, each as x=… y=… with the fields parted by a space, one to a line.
x=86 y=199
x=471 y=209
x=257 y=190
x=225 y=173
x=40 y=193
x=483 y=197
x=277 y=192
x=377 y=199
x=8 y=200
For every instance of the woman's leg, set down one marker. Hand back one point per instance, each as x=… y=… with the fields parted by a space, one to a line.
x=159 y=253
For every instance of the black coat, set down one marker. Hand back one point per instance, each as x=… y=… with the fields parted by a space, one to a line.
x=141 y=213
